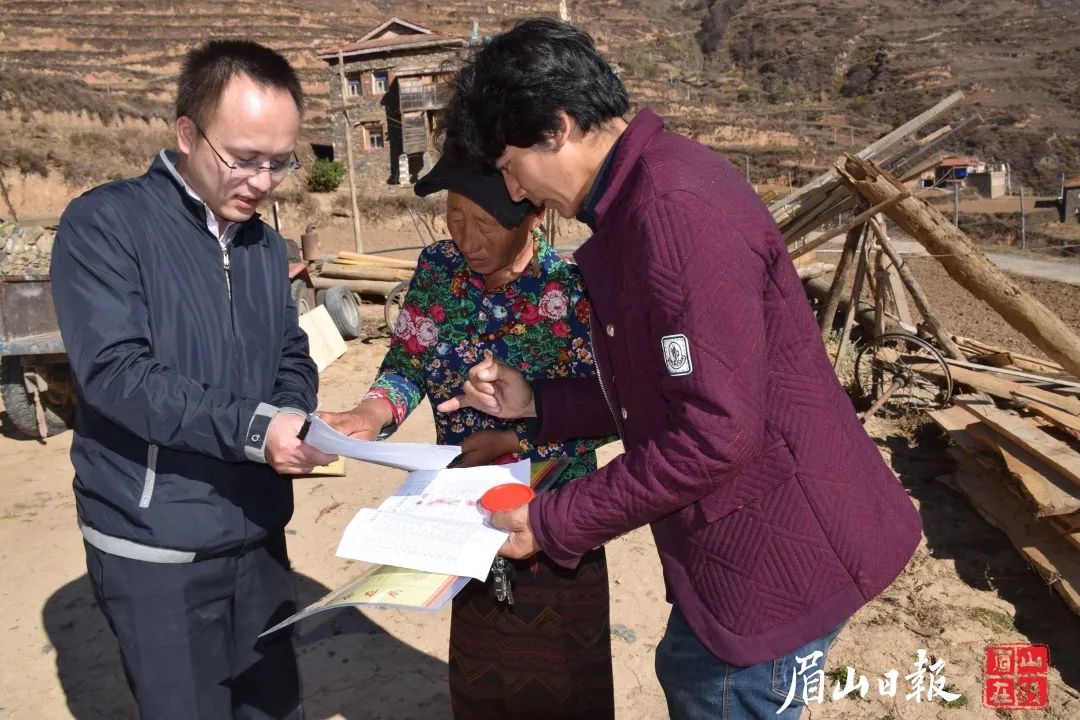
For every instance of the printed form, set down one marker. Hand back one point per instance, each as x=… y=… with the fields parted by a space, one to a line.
x=434 y=522
x=403 y=456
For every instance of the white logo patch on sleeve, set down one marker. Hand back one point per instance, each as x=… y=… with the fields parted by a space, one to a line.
x=676 y=351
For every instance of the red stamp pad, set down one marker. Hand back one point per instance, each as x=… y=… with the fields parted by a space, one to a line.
x=502 y=498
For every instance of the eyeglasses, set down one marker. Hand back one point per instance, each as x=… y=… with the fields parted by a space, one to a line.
x=245 y=169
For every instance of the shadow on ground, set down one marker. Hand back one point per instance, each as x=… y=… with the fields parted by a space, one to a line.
x=349 y=665
x=983 y=556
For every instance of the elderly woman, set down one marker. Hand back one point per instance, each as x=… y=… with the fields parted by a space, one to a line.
x=498 y=289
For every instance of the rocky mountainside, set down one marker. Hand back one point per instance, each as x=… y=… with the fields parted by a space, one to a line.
x=782 y=86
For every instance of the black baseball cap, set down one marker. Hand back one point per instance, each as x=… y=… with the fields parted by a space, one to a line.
x=485 y=188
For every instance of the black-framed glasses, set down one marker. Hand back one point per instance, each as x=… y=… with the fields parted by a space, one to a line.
x=245 y=169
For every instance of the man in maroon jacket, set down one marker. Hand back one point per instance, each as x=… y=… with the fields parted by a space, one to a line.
x=774 y=515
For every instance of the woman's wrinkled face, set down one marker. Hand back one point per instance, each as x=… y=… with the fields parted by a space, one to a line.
x=486 y=245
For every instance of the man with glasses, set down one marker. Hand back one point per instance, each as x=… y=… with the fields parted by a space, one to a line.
x=193 y=380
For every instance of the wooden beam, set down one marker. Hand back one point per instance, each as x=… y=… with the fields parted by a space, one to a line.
x=1024 y=362
x=966 y=264
x=840 y=279
x=843 y=229
x=364 y=272
x=996 y=386
x=1044 y=379
x=943 y=336
x=853 y=305
x=1056 y=561
x=1045 y=448
x=1049 y=493
x=364 y=287
x=873 y=150
x=350 y=157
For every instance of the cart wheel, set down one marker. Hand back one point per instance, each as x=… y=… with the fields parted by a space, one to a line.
x=57 y=402
x=344 y=311
x=887 y=374
x=303 y=295
x=395 y=301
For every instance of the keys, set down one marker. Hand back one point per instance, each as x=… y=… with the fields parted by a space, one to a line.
x=502 y=571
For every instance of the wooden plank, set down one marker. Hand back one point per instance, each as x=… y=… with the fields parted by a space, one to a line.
x=378 y=260
x=873 y=150
x=997 y=386
x=1024 y=362
x=1071 y=536
x=325 y=343
x=1049 y=450
x=843 y=229
x=1049 y=493
x=364 y=287
x=1042 y=379
x=1069 y=522
x=364 y=272
x=1056 y=561
x=1064 y=420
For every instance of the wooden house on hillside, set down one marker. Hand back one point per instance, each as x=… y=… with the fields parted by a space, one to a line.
x=394 y=91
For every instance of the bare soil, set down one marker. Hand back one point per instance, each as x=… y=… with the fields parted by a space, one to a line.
x=966 y=588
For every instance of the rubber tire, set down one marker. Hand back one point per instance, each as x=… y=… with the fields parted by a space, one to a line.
x=344 y=311
x=395 y=302
x=20 y=404
x=303 y=296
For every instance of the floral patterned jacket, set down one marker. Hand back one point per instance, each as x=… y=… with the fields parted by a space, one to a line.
x=538 y=323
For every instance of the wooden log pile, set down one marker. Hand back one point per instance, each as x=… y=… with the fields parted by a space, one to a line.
x=1021 y=472
x=362 y=273
x=1014 y=423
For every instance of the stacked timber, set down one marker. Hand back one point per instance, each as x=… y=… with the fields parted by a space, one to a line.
x=1015 y=426
x=362 y=273
x=1021 y=472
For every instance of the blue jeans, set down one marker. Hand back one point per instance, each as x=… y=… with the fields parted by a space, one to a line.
x=700 y=686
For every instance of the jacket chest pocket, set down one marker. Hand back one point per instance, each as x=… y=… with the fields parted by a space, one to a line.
x=773 y=467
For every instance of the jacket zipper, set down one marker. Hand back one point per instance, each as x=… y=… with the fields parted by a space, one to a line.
x=151 y=476
x=603 y=389
x=226 y=264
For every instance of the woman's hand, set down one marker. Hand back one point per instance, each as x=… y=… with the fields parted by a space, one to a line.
x=365 y=421
x=483 y=447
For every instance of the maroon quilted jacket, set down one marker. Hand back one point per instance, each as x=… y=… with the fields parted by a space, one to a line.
x=773 y=513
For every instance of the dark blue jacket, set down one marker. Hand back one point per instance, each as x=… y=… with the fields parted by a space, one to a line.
x=180 y=353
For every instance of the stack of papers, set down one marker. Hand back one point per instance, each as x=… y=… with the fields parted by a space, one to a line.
x=434 y=522
x=403 y=456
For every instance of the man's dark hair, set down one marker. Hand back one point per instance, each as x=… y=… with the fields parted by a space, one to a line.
x=209 y=68
x=508 y=92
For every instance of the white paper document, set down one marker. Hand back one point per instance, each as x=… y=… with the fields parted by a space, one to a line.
x=403 y=456
x=434 y=522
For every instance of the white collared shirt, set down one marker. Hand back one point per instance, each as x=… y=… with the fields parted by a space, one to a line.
x=224 y=234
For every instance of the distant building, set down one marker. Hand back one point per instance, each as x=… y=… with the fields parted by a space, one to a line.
x=395 y=90
x=955 y=168
x=988 y=180
x=990 y=184
x=1070 y=200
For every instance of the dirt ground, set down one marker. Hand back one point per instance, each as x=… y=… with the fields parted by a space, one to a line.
x=966 y=588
